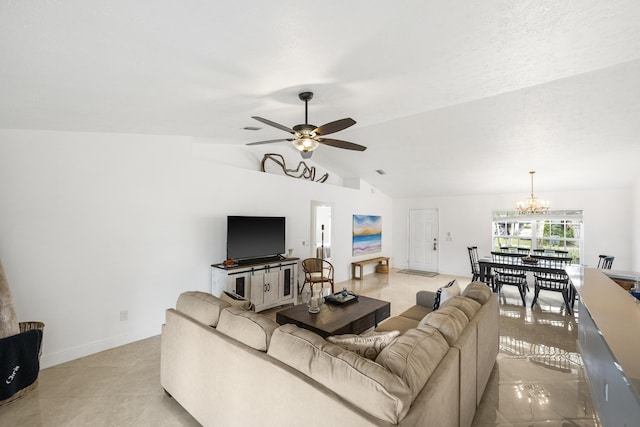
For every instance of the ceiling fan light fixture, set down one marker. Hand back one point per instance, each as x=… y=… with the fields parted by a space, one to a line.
x=308 y=136
x=305 y=144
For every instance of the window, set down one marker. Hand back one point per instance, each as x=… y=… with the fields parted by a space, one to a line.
x=555 y=230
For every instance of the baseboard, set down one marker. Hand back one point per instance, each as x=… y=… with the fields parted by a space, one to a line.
x=51 y=359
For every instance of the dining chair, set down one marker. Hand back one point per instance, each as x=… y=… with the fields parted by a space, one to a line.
x=475 y=267
x=553 y=281
x=605 y=262
x=508 y=276
x=473 y=259
x=317 y=270
x=514 y=249
x=550 y=252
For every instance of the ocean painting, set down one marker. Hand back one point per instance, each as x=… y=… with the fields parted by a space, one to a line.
x=367 y=234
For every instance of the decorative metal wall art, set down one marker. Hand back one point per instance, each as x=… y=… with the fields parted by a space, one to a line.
x=302 y=171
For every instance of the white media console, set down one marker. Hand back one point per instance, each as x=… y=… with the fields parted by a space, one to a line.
x=266 y=284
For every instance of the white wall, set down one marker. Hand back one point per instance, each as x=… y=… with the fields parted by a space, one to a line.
x=607 y=216
x=635 y=232
x=92 y=224
x=229 y=190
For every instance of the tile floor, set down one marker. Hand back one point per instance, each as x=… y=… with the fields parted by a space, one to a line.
x=538 y=379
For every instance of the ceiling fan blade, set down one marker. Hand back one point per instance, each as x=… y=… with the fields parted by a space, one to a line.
x=270 y=141
x=274 y=124
x=341 y=144
x=336 y=126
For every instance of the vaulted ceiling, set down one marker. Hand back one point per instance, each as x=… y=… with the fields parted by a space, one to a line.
x=450 y=97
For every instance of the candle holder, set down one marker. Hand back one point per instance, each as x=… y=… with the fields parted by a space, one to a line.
x=314 y=301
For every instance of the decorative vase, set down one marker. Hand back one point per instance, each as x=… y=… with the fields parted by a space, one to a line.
x=315 y=301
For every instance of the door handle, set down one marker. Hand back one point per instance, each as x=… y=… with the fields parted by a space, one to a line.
x=435 y=246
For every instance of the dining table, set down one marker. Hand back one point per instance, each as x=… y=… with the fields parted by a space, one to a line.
x=540 y=265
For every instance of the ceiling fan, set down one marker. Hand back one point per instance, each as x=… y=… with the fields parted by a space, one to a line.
x=307 y=136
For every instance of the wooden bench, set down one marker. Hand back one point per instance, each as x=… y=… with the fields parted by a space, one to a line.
x=382 y=260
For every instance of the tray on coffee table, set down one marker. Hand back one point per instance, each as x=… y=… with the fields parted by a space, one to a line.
x=339 y=298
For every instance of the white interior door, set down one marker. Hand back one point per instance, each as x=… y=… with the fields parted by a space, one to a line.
x=423 y=239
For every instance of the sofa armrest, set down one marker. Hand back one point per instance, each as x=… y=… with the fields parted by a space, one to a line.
x=425 y=298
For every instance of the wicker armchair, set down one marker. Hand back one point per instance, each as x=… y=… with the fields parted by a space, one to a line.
x=317 y=270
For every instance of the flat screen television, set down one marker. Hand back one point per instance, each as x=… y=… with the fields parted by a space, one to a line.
x=251 y=237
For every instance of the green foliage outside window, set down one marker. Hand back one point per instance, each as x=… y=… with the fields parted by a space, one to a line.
x=555 y=231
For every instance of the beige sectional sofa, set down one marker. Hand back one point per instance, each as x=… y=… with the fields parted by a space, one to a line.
x=231 y=367
x=477 y=344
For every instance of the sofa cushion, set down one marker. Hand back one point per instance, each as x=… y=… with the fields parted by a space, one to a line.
x=416 y=312
x=366 y=345
x=414 y=356
x=202 y=306
x=478 y=291
x=356 y=379
x=248 y=327
x=397 y=323
x=235 y=300
x=468 y=306
x=449 y=290
x=450 y=321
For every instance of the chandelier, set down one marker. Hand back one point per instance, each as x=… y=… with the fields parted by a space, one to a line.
x=532 y=205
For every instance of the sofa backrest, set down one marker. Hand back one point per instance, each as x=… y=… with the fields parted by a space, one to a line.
x=363 y=382
x=201 y=306
x=450 y=321
x=488 y=326
x=478 y=344
x=414 y=356
x=478 y=291
x=468 y=306
x=248 y=327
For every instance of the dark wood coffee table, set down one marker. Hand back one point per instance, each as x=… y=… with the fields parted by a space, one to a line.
x=350 y=318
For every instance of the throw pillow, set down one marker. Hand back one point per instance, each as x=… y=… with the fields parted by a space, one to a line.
x=446 y=292
x=235 y=300
x=366 y=345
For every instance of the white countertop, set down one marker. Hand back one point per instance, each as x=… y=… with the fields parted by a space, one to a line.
x=625 y=275
x=616 y=314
